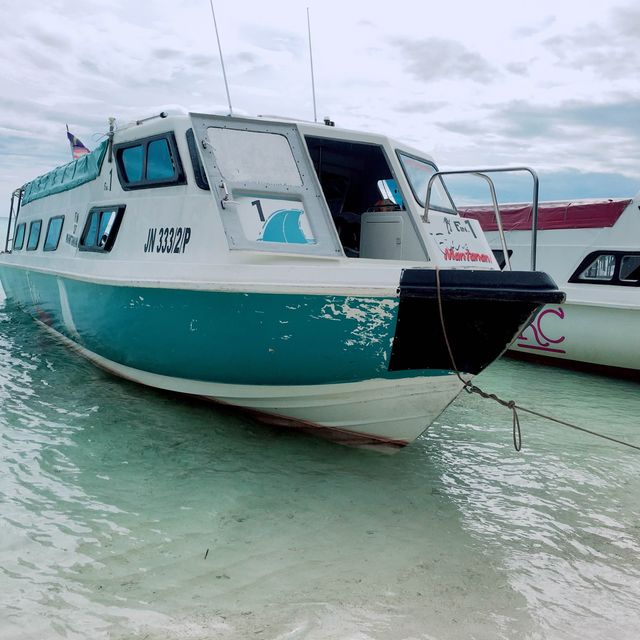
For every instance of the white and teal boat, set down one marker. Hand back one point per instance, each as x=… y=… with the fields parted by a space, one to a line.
x=283 y=267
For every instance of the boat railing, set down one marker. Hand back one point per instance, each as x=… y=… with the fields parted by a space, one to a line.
x=482 y=174
x=16 y=196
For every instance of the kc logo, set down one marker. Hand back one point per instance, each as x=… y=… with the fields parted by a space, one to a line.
x=534 y=337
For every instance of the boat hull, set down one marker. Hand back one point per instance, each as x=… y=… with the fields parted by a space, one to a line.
x=362 y=369
x=581 y=335
x=383 y=414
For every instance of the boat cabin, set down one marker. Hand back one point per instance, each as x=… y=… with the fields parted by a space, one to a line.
x=283 y=187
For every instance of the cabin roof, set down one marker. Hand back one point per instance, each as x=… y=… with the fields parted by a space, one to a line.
x=68 y=176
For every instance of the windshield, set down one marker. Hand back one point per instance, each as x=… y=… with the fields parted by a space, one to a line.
x=418 y=173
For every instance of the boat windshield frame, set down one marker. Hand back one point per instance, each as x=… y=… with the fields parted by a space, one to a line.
x=441 y=199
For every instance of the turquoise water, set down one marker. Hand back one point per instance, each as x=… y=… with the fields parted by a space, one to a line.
x=129 y=513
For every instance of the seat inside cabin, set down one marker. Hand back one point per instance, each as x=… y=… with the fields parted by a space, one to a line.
x=355 y=179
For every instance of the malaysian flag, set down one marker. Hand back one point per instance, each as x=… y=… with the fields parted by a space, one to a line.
x=77 y=148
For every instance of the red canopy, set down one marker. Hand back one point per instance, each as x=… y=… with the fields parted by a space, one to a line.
x=583 y=214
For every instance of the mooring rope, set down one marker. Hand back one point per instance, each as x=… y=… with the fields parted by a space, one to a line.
x=469 y=387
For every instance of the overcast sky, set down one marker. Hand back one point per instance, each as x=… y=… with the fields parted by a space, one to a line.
x=552 y=84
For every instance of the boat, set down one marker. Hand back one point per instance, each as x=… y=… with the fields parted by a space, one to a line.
x=283 y=267
x=591 y=248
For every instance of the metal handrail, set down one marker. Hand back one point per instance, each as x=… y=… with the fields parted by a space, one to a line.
x=481 y=173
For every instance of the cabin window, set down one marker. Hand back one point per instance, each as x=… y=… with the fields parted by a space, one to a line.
x=18 y=241
x=630 y=268
x=602 y=268
x=159 y=163
x=101 y=228
x=132 y=162
x=54 y=229
x=620 y=268
x=250 y=156
x=151 y=162
x=198 y=170
x=499 y=256
x=418 y=173
x=34 y=235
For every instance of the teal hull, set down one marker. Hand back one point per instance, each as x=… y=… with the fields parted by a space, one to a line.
x=237 y=338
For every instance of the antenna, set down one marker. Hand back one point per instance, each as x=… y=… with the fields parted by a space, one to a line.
x=313 y=84
x=224 y=73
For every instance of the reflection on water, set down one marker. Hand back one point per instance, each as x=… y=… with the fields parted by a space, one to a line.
x=131 y=513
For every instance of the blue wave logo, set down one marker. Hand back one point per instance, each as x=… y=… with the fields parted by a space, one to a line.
x=284 y=226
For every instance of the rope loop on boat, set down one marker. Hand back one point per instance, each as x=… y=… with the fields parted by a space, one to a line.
x=469 y=387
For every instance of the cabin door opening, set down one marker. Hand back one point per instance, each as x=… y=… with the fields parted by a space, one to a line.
x=363 y=197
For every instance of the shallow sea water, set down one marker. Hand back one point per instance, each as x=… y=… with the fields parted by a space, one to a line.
x=130 y=513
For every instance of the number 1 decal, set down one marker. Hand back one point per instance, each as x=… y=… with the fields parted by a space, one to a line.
x=258 y=204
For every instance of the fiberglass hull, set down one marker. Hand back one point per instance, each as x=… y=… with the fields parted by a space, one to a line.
x=364 y=370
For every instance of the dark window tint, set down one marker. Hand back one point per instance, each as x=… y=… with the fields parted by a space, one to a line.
x=18 y=241
x=630 y=268
x=499 y=255
x=34 y=235
x=196 y=162
x=159 y=162
x=131 y=164
x=101 y=228
x=54 y=230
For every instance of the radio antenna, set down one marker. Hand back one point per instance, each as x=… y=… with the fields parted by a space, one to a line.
x=313 y=84
x=224 y=73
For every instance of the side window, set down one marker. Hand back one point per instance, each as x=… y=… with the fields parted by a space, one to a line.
x=151 y=162
x=18 y=241
x=101 y=228
x=602 y=268
x=159 y=162
x=54 y=230
x=132 y=163
x=418 y=172
x=630 y=268
x=34 y=235
x=621 y=268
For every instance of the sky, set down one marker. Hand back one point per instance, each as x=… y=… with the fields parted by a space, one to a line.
x=553 y=84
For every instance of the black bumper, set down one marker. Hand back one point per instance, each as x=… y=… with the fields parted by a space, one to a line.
x=483 y=312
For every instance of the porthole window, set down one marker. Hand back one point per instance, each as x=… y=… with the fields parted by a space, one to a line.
x=54 y=230
x=151 y=162
x=34 y=235
x=101 y=228
x=18 y=241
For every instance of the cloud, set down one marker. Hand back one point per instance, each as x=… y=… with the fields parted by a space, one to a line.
x=441 y=59
x=610 y=50
x=534 y=29
x=420 y=106
x=522 y=119
x=272 y=39
x=518 y=68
